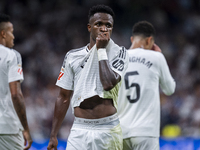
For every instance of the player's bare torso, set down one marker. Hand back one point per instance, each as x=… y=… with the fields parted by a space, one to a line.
x=94 y=108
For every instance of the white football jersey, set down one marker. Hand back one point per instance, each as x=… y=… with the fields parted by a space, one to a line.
x=10 y=71
x=139 y=99
x=74 y=76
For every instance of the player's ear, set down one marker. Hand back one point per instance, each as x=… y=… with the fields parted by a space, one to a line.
x=131 y=38
x=89 y=27
x=3 y=34
x=149 y=40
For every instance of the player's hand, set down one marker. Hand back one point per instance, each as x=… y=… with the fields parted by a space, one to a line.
x=27 y=140
x=102 y=40
x=156 y=48
x=53 y=142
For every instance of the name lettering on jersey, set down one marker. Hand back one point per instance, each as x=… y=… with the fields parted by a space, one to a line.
x=143 y=61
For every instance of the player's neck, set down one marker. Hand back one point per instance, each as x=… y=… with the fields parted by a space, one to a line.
x=136 y=46
x=90 y=46
x=92 y=43
x=2 y=42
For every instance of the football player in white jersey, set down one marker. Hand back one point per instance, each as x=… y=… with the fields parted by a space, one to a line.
x=96 y=125
x=14 y=130
x=139 y=100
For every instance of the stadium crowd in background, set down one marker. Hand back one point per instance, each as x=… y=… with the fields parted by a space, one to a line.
x=46 y=29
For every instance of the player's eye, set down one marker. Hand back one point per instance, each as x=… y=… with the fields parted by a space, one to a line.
x=98 y=24
x=108 y=25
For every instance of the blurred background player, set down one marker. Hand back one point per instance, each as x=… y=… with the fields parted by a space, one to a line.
x=139 y=101
x=14 y=130
x=96 y=125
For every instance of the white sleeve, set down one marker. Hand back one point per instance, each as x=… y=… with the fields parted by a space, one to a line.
x=15 y=72
x=66 y=76
x=120 y=63
x=167 y=82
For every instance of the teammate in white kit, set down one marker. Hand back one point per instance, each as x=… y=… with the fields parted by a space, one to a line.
x=139 y=100
x=89 y=82
x=13 y=123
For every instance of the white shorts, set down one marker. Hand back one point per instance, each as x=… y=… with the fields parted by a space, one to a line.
x=96 y=134
x=12 y=141
x=141 y=143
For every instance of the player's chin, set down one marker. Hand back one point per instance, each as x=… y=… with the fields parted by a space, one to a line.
x=11 y=45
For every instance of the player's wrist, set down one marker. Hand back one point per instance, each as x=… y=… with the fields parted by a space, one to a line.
x=102 y=55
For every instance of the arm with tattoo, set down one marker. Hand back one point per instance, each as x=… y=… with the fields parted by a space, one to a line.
x=19 y=105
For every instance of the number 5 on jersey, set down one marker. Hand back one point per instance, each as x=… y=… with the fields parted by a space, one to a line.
x=132 y=86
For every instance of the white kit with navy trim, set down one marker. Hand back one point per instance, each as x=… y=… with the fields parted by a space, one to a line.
x=139 y=96
x=80 y=72
x=10 y=71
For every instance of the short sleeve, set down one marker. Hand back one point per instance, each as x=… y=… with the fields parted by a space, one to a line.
x=15 y=71
x=120 y=63
x=66 y=75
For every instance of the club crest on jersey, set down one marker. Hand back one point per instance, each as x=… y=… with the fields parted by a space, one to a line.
x=118 y=64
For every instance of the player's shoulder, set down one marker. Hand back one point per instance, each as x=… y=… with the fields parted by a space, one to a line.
x=150 y=55
x=75 y=52
x=9 y=53
x=15 y=52
x=145 y=52
x=17 y=55
x=123 y=52
x=72 y=54
x=155 y=54
x=4 y=49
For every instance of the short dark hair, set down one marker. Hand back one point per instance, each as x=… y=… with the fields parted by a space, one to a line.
x=143 y=28
x=4 y=18
x=100 y=9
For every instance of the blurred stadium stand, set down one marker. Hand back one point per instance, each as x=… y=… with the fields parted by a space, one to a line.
x=46 y=29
